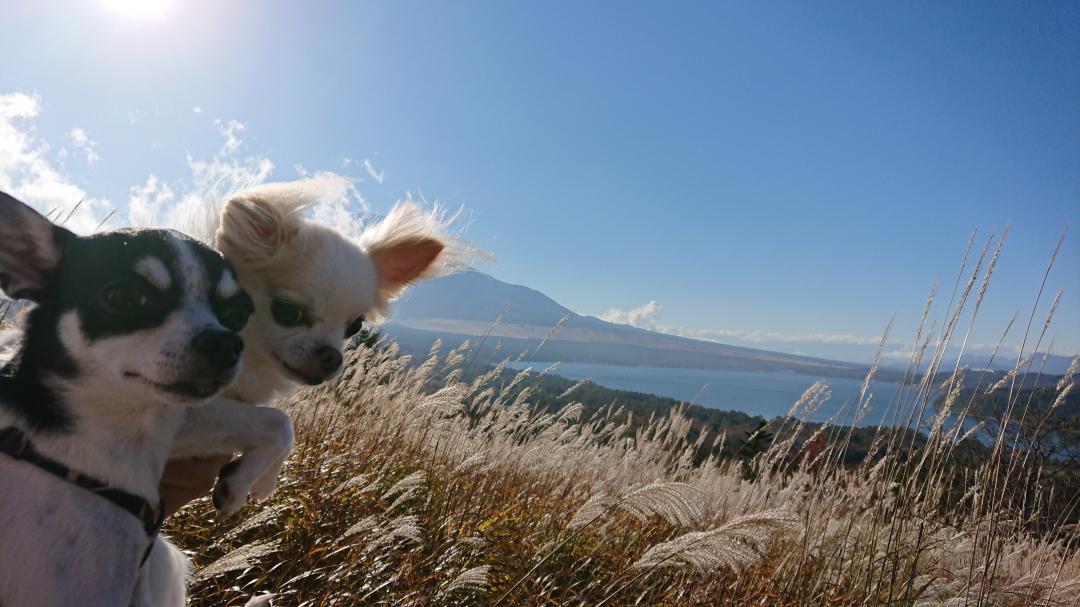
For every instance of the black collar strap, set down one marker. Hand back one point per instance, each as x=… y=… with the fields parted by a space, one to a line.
x=17 y=445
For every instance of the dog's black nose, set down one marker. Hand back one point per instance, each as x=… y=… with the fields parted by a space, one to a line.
x=221 y=349
x=329 y=360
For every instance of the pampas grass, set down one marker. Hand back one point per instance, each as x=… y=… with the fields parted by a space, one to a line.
x=733 y=545
x=411 y=485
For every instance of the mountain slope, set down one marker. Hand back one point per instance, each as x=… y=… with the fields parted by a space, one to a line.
x=468 y=304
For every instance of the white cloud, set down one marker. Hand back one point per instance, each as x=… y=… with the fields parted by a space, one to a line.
x=197 y=109
x=189 y=205
x=84 y=144
x=648 y=316
x=642 y=317
x=341 y=206
x=27 y=172
x=896 y=355
x=231 y=132
x=378 y=176
x=210 y=182
x=147 y=201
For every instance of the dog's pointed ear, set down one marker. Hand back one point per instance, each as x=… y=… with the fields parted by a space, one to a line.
x=400 y=263
x=30 y=249
x=404 y=247
x=256 y=224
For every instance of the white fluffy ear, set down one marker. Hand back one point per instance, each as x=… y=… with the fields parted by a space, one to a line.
x=404 y=247
x=30 y=249
x=256 y=223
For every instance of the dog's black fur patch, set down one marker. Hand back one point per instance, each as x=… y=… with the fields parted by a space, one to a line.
x=216 y=266
x=22 y=386
x=88 y=266
x=91 y=264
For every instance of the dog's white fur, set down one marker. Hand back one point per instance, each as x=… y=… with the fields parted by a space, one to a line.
x=277 y=253
x=60 y=545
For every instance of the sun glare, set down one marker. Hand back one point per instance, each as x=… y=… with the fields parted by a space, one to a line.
x=139 y=9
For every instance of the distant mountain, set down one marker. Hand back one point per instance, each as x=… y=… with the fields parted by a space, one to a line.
x=467 y=305
x=1053 y=365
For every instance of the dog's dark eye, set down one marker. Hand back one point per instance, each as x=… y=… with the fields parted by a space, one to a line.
x=124 y=296
x=235 y=317
x=288 y=314
x=354 y=327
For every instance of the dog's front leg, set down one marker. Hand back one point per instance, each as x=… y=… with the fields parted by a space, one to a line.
x=264 y=435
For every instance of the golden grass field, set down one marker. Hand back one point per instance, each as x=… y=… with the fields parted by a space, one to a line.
x=409 y=486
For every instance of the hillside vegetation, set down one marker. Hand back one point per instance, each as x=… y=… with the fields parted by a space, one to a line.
x=398 y=494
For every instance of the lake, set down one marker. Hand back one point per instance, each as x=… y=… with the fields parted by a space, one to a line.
x=766 y=394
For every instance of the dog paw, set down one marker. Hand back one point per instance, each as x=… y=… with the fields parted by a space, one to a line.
x=226 y=497
x=227 y=501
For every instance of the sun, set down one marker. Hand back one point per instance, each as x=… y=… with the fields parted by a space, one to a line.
x=139 y=9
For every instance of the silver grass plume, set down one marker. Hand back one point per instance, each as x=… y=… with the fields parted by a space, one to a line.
x=263 y=517
x=677 y=503
x=811 y=399
x=1066 y=384
x=475 y=460
x=385 y=531
x=976 y=428
x=735 y=544
x=573 y=388
x=1069 y=374
x=400 y=529
x=365 y=524
x=241 y=558
x=363 y=481
x=405 y=489
x=952 y=386
x=1001 y=383
x=475 y=579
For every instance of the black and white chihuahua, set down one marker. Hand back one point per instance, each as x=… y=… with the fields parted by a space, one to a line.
x=133 y=336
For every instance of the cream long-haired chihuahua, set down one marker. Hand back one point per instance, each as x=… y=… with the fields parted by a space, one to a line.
x=312 y=289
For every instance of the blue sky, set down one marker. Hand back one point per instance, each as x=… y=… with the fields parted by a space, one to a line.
x=786 y=175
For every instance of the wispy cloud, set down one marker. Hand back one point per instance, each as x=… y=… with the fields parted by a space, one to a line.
x=760 y=336
x=847 y=346
x=341 y=205
x=28 y=172
x=82 y=142
x=197 y=109
x=378 y=176
x=230 y=130
x=147 y=201
x=185 y=204
x=31 y=171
